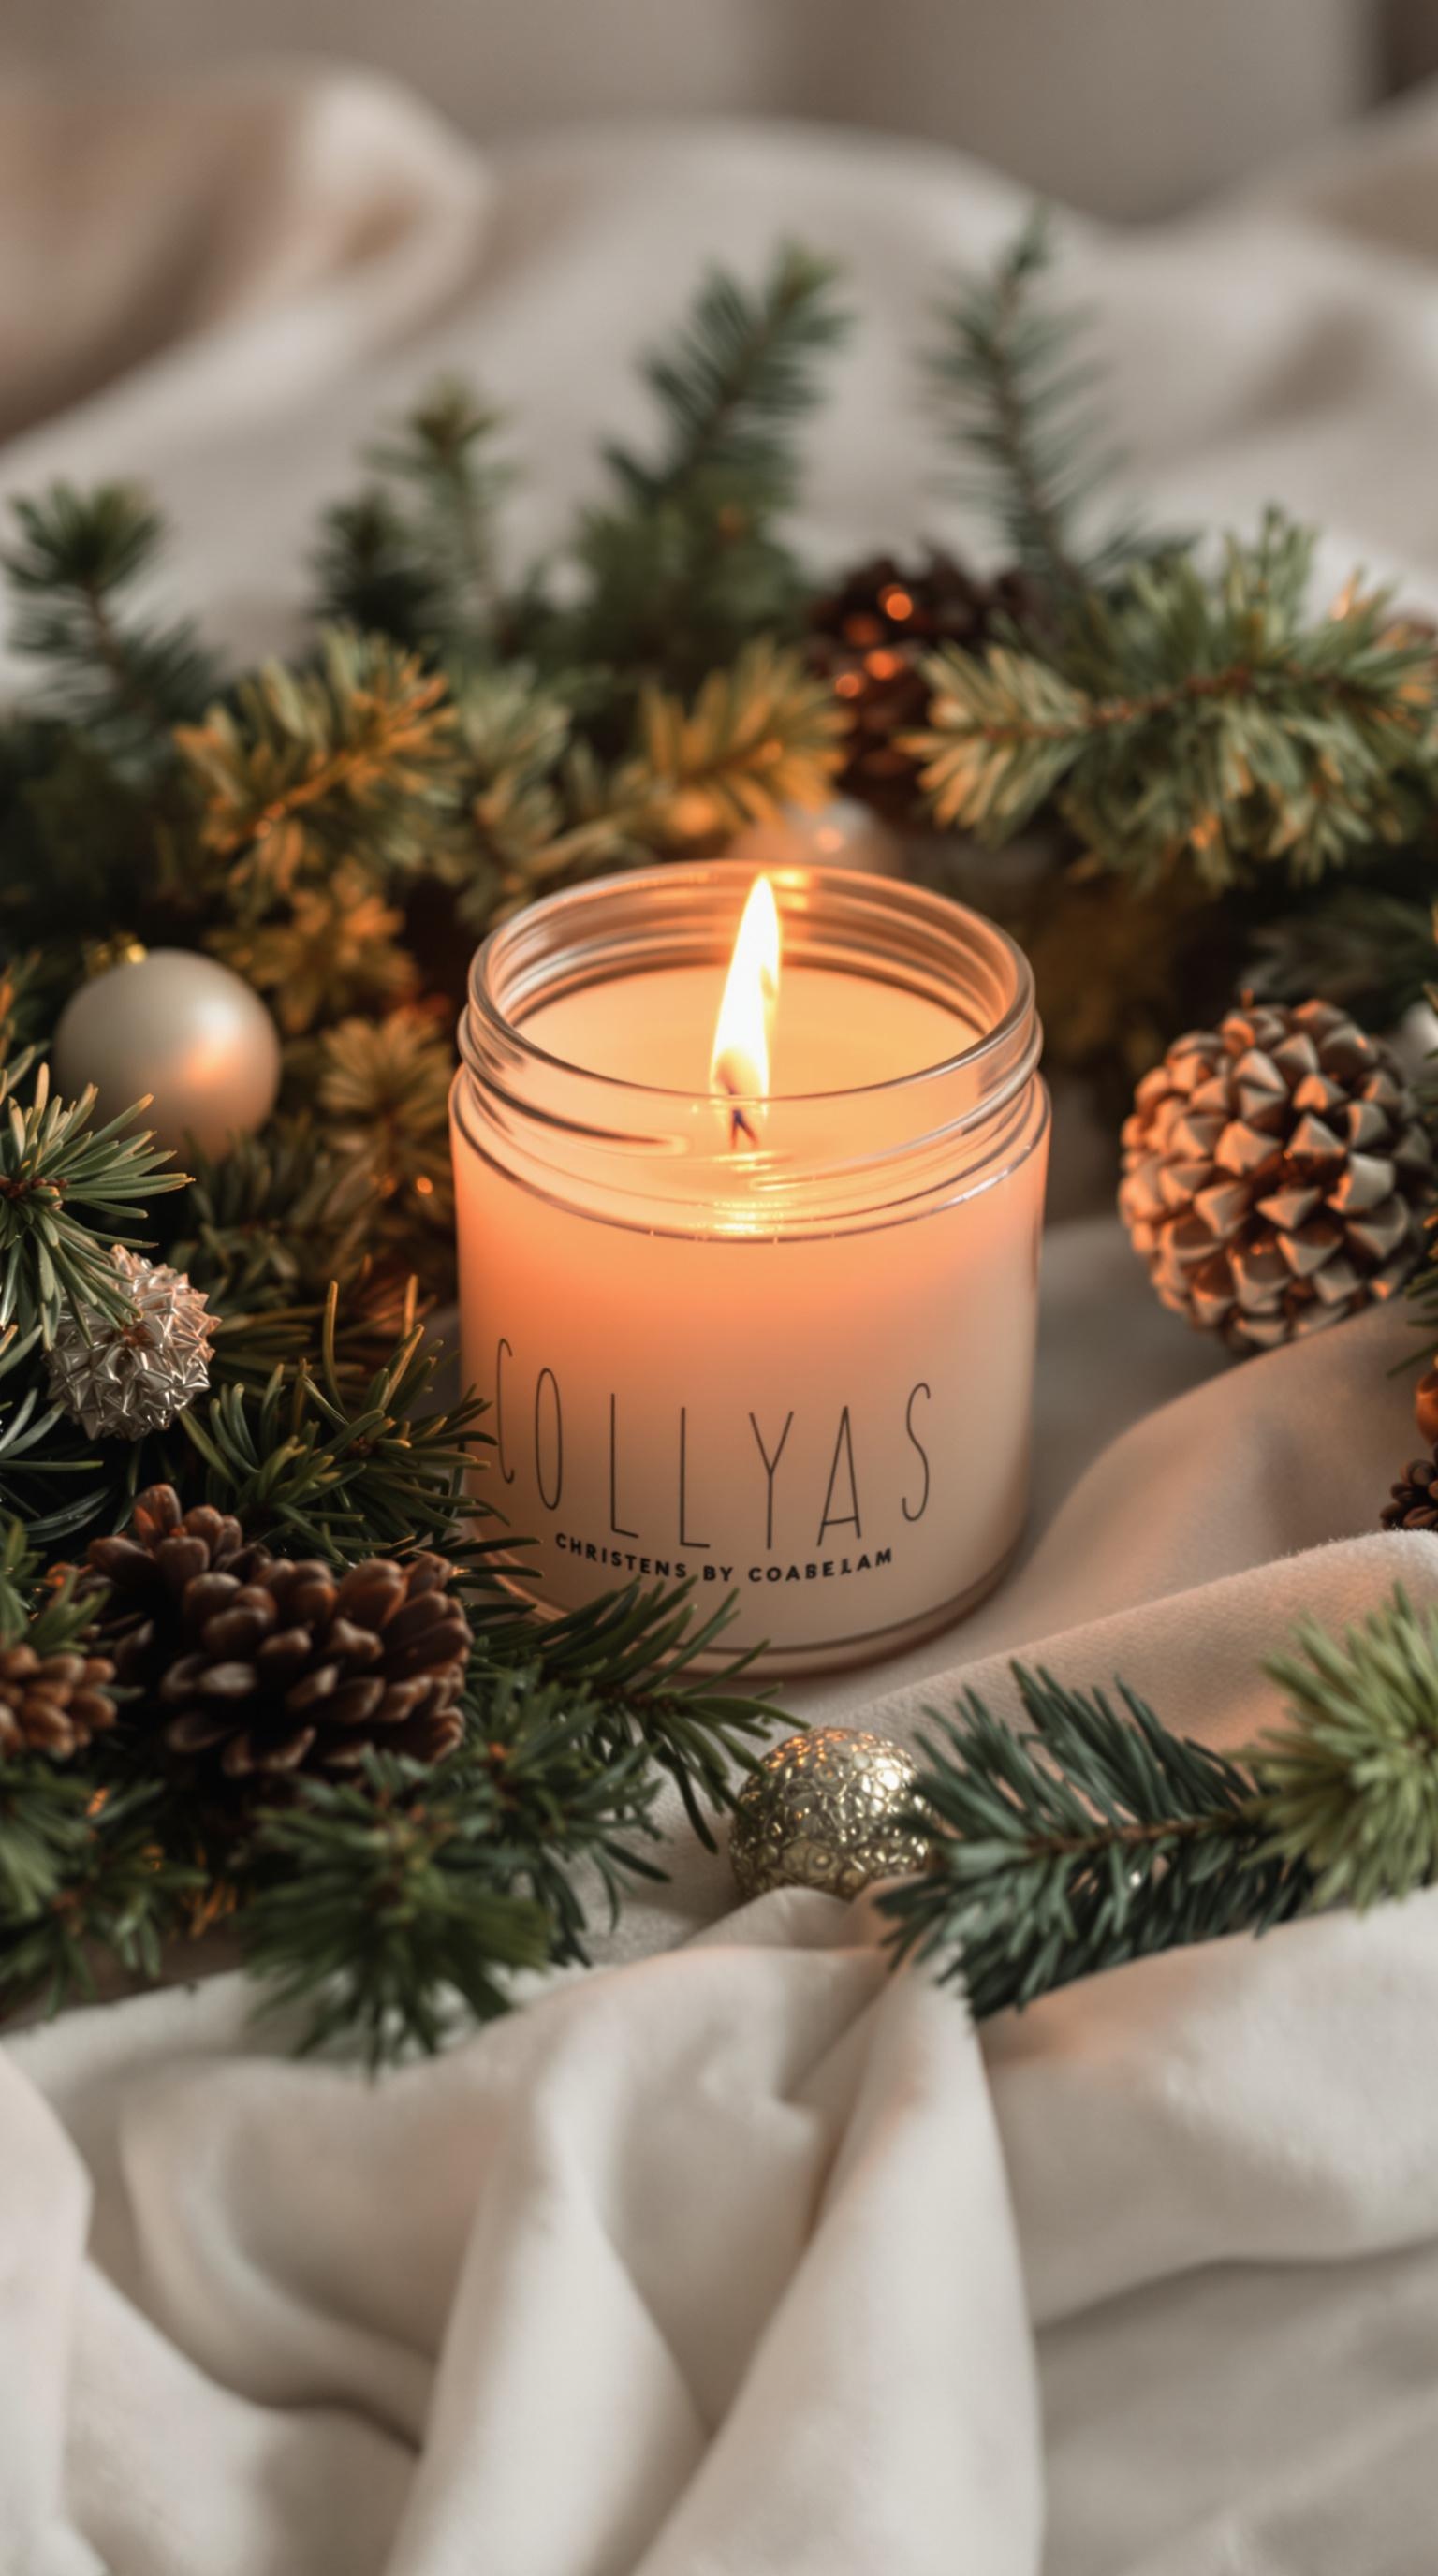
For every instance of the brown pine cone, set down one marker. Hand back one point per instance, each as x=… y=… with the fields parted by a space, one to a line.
x=255 y=1666
x=52 y=1703
x=1415 y=1497
x=868 y=635
x=1275 y=1174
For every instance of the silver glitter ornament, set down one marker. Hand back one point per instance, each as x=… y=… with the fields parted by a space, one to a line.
x=1276 y=1174
x=134 y=1377
x=822 y=1810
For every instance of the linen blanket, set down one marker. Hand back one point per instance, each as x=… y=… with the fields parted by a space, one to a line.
x=735 y=2257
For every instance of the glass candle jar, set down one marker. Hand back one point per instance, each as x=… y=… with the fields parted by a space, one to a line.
x=782 y=1349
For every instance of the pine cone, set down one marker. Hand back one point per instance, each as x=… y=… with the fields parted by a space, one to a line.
x=1415 y=1496
x=254 y=1665
x=52 y=1703
x=868 y=636
x=1275 y=1174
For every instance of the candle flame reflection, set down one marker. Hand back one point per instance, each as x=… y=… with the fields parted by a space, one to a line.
x=739 y=1066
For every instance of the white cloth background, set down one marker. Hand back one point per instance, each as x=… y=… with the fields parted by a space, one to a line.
x=735 y=2258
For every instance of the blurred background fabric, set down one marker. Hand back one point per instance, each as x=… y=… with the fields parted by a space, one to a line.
x=1127 y=108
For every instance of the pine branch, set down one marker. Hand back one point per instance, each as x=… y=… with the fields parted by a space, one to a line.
x=81 y=1871
x=685 y=567
x=1371 y=951
x=413 y=558
x=384 y=1909
x=443 y=454
x=330 y=949
x=759 y=735
x=272 y=1221
x=39 y=1442
x=1212 y=724
x=371 y=575
x=51 y=1620
x=381 y=1906
x=518 y=794
x=643 y=1658
x=82 y=1876
x=75 y=557
x=383 y=1092
x=1013 y=394
x=50 y=1164
x=319 y=1465
x=568 y=1799
x=84 y=835
x=1093 y=1835
x=349 y=761
x=1090 y=1838
x=735 y=381
x=1350 y=1785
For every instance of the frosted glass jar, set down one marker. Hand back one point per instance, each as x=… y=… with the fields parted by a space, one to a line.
x=794 y=1366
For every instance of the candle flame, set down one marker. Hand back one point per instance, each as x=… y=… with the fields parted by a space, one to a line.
x=739 y=1066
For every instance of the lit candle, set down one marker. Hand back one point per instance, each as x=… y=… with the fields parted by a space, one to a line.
x=749 y=1182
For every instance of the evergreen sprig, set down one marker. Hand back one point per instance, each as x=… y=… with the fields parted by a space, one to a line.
x=1093 y=1835
x=74 y=558
x=1349 y=1786
x=734 y=381
x=303 y=768
x=325 y=949
x=383 y=1091
x=82 y=1874
x=1210 y=723
x=53 y=1162
x=273 y=1220
x=414 y=555
x=643 y=1660
x=761 y=734
x=1013 y=391
x=321 y=1463
x=685 y=565
x=1088 y=1838
x=541 y=808
x=83 y=1878
x=383 y=1910
x=38 y=1442
x=387 y=1906
x=1370 y=950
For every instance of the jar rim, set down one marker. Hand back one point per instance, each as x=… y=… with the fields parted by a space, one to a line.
x=848 y=891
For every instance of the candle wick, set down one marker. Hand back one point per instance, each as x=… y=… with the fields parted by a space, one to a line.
x=740 y=1124
x=738 y=1119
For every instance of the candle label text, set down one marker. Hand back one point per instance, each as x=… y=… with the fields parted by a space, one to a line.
x=783 y=1494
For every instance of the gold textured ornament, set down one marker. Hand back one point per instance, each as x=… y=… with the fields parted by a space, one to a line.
x=1276 y=1172
x=823 y=1810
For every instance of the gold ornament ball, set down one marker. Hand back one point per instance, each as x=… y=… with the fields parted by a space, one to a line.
x=181 y=1027
x=822 y=1810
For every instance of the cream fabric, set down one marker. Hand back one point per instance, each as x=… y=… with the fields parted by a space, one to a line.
x=734 y=2257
